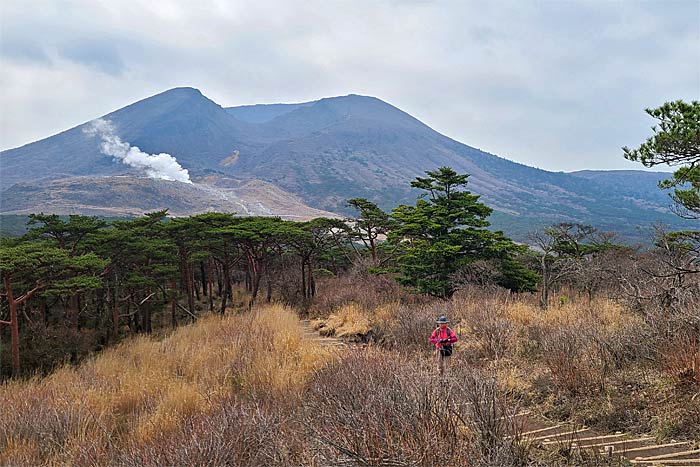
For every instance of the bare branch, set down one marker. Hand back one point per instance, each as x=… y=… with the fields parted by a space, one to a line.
x=187 y=311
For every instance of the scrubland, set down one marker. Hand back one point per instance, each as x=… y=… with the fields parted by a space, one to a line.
x=594 y=361
x=250 y=390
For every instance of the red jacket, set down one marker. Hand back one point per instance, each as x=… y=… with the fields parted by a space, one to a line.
x=440 y=334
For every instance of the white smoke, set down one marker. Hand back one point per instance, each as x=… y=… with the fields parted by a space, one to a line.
x=163 y=166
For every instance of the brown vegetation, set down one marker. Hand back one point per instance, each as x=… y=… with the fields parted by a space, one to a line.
x=248 y=390
x=132 y=398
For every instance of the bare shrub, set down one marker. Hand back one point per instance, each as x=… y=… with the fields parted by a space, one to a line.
x=481 y=313
x=491 y=328
x=361 y=287
x=681 y=358
x=563 y=351
x=237 y=434
x=492 y=419
x=376 y=411
x=411 y=328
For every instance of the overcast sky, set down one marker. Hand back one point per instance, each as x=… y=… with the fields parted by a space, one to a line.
x=559 y=85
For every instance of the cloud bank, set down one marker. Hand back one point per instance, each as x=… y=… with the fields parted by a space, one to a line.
x=561 y=85
x=163 y=166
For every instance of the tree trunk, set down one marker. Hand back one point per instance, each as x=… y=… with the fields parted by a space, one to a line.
x=73 y=310
x=303 y=278
x=14 y=325
x=227 y=285
x=205 y=278
x=268 y=297
x=44 y=315
x=255 y=284
x=136 y=318
x=190 y=287
x=195 y=285
x=147 y=327
x=373 y=249
x=544 y=297
x=219 y=281
x=210 y=284
x=115 y=314
x=173 y=305
x=312 y=282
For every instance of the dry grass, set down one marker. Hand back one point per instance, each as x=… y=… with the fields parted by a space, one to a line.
x=681 y=357
x=354 y=321
x=145 y=388
x=349 y=320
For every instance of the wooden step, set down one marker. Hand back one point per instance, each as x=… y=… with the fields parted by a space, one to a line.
x=551 y=431
x=668 y=462
x=592 y=440
x=623 y=446
x=564 y=437
x=677 y=455
x=534 y=424
x=656 y=451
x=691 y=454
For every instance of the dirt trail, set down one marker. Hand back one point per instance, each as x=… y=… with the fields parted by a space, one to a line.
x=639 y=450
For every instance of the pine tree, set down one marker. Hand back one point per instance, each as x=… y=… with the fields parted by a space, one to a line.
x=446 y=230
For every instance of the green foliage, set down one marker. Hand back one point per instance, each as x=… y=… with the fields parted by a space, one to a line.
x=446 y=230
x=676 y=141
x=369 y=225
x=515 y=276
x=66 y=234
x=51 y=270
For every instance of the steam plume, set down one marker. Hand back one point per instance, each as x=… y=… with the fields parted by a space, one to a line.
x=162 y=165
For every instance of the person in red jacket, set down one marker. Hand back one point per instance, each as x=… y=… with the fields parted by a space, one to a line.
x=443 y=337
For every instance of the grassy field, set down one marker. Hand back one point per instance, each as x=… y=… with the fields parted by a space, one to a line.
x=131 y=397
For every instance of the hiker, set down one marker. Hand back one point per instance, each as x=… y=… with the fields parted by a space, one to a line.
x=443 y=338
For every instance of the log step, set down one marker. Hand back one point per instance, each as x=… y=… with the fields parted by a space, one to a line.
x=677 y=455
x=668 y=462
x=563 y=437
x=658 y=451
x=591 y=440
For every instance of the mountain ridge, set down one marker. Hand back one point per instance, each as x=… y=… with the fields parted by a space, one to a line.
x=332 y=149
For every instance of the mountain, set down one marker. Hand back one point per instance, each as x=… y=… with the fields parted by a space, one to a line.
x=329 y=150
x=261 y=113
x=181 y=122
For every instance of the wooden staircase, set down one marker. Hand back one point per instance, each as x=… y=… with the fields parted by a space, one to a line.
x=639 y=450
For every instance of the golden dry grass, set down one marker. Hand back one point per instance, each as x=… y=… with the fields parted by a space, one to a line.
x=603 y=312
x=347 y=321
x=146 y=387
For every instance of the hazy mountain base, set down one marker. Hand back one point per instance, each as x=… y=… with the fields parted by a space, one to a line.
x=132 y=196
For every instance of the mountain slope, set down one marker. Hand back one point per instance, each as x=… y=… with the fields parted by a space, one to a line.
x=129 y=196
x=260 y=113
x=329 y=150
x=180 y=122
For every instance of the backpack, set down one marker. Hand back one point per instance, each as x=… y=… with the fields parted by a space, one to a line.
x=446 y=349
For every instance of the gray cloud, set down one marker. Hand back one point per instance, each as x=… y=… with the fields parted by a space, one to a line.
x=100 y=55
x=558 y=85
